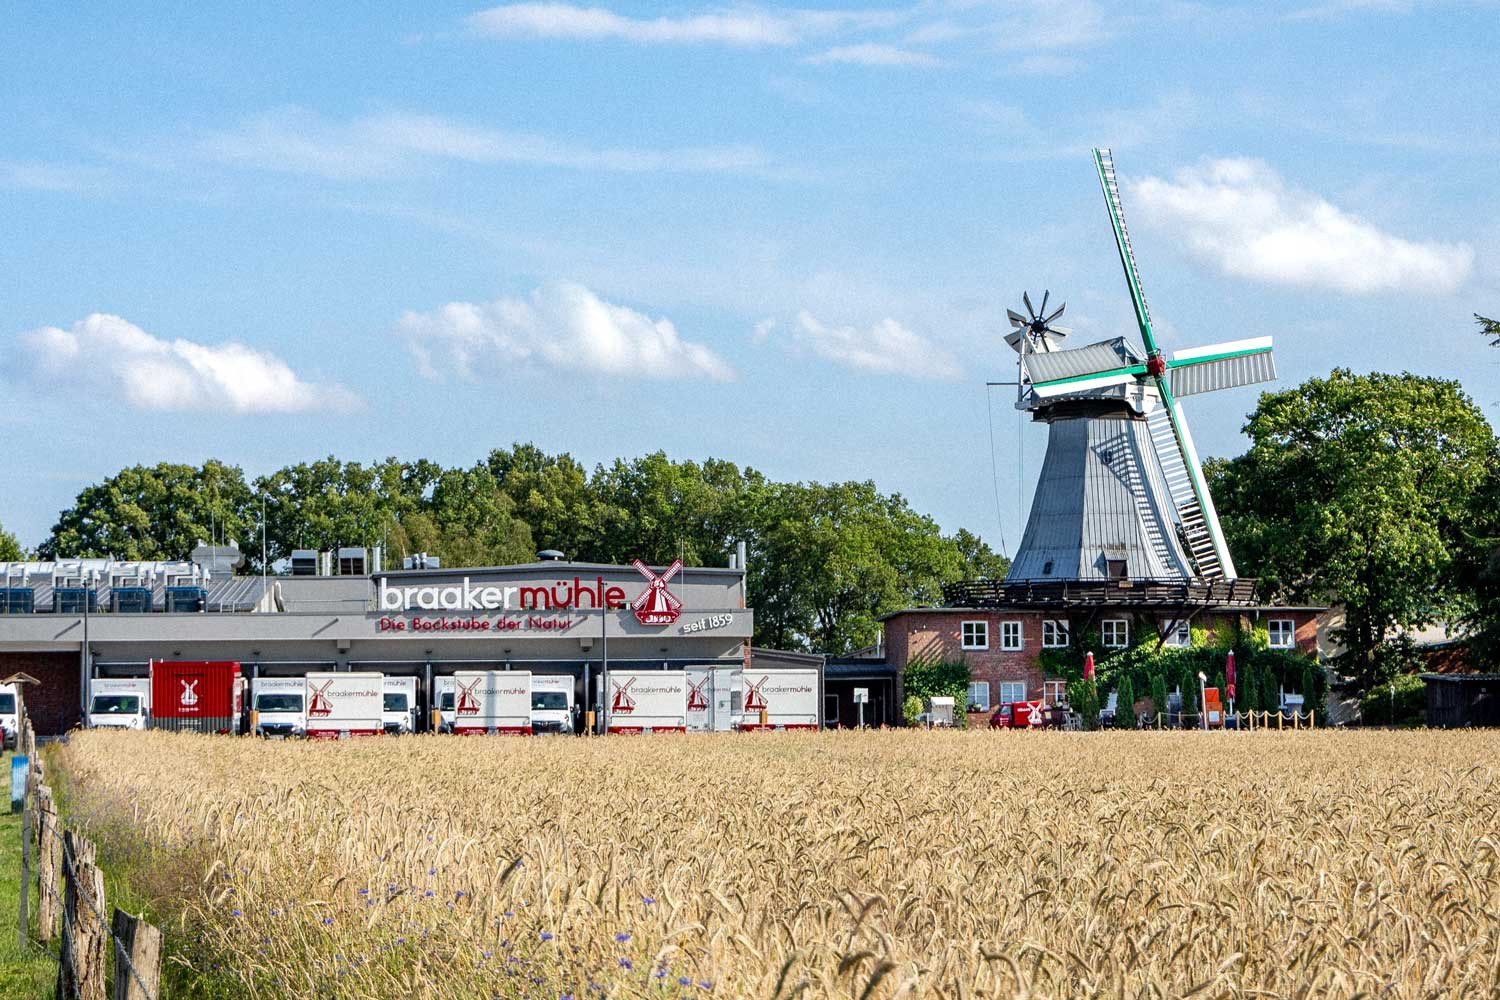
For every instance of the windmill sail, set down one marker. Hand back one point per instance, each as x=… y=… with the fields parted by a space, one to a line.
x=1221 y=366
x=1174 y=445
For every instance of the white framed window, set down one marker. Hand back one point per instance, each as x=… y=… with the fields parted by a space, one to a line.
x=1012 y=691
x=1283 y=633
x=1010 y=635
x=1180 y=634
x=979 y=696
x=1054 y=633
x=1115 y=632
x=1056 y=692
x=975 y=635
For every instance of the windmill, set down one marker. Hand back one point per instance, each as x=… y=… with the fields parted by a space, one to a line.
x=1121 y=493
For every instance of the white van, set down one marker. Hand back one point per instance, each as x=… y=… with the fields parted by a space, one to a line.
x=10 y=725
x=280 y=706
x=399 y=712
x=119 y=702
x=552 y=703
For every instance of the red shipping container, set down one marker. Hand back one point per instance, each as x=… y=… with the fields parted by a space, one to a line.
x=201 y=696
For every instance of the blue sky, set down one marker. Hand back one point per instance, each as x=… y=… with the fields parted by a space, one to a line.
x=782 y=236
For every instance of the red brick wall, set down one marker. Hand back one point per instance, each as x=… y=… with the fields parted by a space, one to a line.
x=940 y=635
x=53 y=704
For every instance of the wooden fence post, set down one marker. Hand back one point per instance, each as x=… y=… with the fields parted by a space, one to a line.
x=47 y=857
x=138 y=946
x=25 y=908
x=80 y=972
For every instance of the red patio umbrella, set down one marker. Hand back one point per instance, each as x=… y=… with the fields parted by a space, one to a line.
x=1229 y=675
x=1088 y=667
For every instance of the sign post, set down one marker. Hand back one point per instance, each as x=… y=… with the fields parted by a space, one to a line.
x=20 y=770
x=861 y=698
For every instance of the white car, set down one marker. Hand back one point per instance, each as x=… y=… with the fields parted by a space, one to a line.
x=9 y=724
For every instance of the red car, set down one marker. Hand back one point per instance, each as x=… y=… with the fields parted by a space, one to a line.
x=1026 y=715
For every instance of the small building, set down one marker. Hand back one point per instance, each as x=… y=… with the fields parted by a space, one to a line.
x=1458 y=701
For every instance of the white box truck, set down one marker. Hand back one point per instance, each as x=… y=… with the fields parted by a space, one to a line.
x=10 y=717
x=713 y=697
x=279 y=705
x=343 y=705
x=442 y=700
x=646 y=701
x=492 y=702
x=119 y=702
x=399 y=709
x=551 y=703
x=789 y=698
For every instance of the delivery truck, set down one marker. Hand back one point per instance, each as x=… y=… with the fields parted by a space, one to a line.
x=201 y=696
x=788 y=698
x=10 y=717
x=492 y=702
x=399 y=711
x=442 y=702
x=119 y=703
x=714 y=693
x=278 y=707
x=345 y=705
x=552 y=703
x=646 y=701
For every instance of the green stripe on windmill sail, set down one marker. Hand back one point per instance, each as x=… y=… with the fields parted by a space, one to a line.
x=1223 y=373
x=1094 y=359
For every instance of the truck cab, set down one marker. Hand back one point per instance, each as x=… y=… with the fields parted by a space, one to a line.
x=10 y=725
x=399 y=708
x=119 y=703
x=552 y=703
x=443 y=700
x=280 y=706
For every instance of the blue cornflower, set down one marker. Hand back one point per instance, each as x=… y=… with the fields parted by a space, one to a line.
x=327 y=921
x=546 y=935
x=649 y=900
x=705 y=984
x=428 y=894
x=622 y=937
x=684 y=981
x=626 y=963
x=432 y=871
x=237 y=913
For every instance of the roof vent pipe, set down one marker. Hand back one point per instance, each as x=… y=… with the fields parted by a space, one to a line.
x=739 y=552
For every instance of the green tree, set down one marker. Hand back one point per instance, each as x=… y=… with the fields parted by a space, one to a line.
x=1489 y=328
x=1125 y=705
x=1083 y=698
x=1354 y=491
x=158 y=512
x=829 y=559
x=980 y=561
x=10 y=549
x=553 y=496
x=1159 y=694
x=658 y=510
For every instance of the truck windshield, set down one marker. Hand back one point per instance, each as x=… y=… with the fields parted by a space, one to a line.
x=395 y=702
x=114 y=704
x=278 y=703
x=7 y=704
x=446 y=704
x=549 y=700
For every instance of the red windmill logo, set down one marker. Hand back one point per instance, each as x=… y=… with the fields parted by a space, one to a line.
x=697 y=700
x=657 y=605
x=468 y=704
x=319 y=705
x=754 y=700
x=622 y=701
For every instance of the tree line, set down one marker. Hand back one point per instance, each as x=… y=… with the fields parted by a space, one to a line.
x=826 y=560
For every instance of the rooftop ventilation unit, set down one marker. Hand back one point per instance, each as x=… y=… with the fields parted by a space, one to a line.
x=421 y=560
x=304 y=562
x=549 y=555
x=351 y=561
x=130 y=588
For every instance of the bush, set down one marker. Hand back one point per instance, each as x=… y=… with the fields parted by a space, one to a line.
x=930 y=678
x=1125 y=705
x=1410 y=699
x=911 y=710
x=1083 y=698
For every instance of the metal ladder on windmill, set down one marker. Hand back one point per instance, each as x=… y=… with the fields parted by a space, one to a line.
x=1195 y=533
x=1151 y=519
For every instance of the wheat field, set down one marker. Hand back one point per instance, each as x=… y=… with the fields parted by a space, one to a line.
x=877 y=864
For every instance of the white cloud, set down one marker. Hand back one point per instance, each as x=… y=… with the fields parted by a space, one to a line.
x=116 y=357
x=739 y=26
x=293 y=140
x=886 y=348
x=563 y=326
x=1240 y=215
x=873 y=54
x=49 y=176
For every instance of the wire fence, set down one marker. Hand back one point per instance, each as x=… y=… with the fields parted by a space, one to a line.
x=70 y=898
